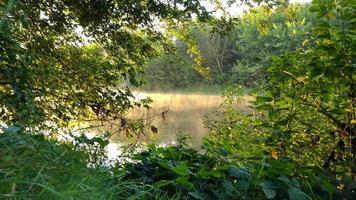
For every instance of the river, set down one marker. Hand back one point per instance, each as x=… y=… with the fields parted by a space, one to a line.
x=173 y=113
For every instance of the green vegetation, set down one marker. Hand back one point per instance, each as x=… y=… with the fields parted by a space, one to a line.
x=51 y=73
x=36 y=167
x=264 y=33
x=240 y=56
x=197 y=89
x=298 y=144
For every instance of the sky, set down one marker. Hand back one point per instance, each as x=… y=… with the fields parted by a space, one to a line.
x=300 y=1
x=238 y=10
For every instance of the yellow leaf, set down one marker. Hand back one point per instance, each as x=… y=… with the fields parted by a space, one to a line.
x=305 y=42
x=327 y=42
x=301 y=79
x=274 y=154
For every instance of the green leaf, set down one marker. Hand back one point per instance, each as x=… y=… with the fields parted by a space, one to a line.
x=9 y=6
x=262 y=99
x=243 y=185
x=268 y=189
x=181 y=169
x=269 y=193
x=184 y=181
x=217 y=174
x=239 y=173
x=297 y=194
x=203 y=173
x=197 y=195
x=163 y=183
x=228 y=187
x=13 y=129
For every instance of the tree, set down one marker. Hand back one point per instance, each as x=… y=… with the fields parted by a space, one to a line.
x=263 y=33
x=64 y=60
x=176 y=69
x=310 y=95
x=217 y=52
x=305 y=113
x=243 y=53
x=172 y=70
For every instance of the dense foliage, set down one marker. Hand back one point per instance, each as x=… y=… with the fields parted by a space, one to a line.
x=310 y=96
x=264 y=33
x=33 y=166
x=241 y=55
x=299 y=143
x=306 y=110
x=160 y=71
x=65 y=60
x=180 y=170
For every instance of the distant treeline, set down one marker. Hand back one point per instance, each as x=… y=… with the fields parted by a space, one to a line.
x=240 y=57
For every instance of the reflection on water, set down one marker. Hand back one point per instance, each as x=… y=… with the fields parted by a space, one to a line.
x=185 y=114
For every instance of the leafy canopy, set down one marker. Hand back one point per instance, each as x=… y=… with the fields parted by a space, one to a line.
x=63 y=60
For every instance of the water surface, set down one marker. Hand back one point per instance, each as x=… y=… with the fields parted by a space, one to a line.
x=171 y=113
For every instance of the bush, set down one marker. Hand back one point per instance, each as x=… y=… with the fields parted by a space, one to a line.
x=35 y=167
x=181 y=170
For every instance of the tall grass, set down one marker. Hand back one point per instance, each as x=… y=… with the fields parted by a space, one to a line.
x=35 y=167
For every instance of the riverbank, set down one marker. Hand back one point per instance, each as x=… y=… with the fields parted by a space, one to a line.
x=199 y=89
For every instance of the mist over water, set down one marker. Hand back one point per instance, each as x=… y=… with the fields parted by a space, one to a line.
x=182 y=113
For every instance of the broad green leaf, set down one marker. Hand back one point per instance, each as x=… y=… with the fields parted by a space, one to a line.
x=268 y=189
x=239 y=173
x=269 y=193
x=184 y=181
x=197 y=195
x=181 y=169
x=297 y=194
